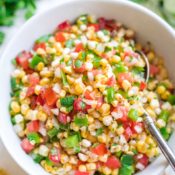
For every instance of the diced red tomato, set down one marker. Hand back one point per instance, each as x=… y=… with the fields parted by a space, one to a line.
x=100 y=101
x=33 y=79
x=60 y=37
x=130 y=53
x=95 y=26
x=47 y=109
x=142 y=158
x=33 y=102
x=102 y=23
x=100 y=149
x=153 y=70
x=54 y=155
x=64 y=25
x=40 y=100
x=26 y=145
x=41 y=45
x=123 y=113
x=62 y=118
x=79 y=105
x=111 y=81
x=23 y=59
x=79 y=47
x=30 y=91
x=89 y=95
x=81 y=173
x=96 y=72
x=124 y=76
x=50 y=96
x=128 y=133
x=142 y=85
x=33 y=126
x=113 y=163
x=79 y=69
x=107 y=24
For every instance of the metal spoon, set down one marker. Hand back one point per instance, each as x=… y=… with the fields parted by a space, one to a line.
x=166 y=150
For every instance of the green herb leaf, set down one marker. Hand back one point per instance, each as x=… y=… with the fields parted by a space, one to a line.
x=72 y=141
x=127 y=160
x=67 y=101
x=64 y=79
x=53 y=132
x=99 y=131
x=34 y=137
x=165 y=133
x=164 y=115
x=78 y=63
x=110 y=94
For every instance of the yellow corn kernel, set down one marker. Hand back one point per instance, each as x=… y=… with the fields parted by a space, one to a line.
x=24 y=108
x=82 y=168
x=91 y=138
x=102 y=138
x=79 y=89
x=50 y=50
x=151 y=112
x=161 y=89
x=41 y=52
x=41 y=116
x=74 y=127
x=84 y=134
x=113 y=126
x=37 y=89
x=49 y=124
x=64 y=158
x=141 y=146
x=120 y=130
x=126 y=85
x=62 y=93
x=165 y=95
x=58 y=104
x=70 y=79
x=25 y=79
x=151 y=55
x=106 y=170
x=64 y=110
x=67 y=167
x=103 y=62
x=151 y=152
x=104 y=109
x=91 y=166
x=90 y=119
x=115 y=172
x=114 y=103
x=115 y=59
x=40 y=66
x=44 y=81
x=15 y=107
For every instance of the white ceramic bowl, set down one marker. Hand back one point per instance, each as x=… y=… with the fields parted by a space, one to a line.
x=147 y=25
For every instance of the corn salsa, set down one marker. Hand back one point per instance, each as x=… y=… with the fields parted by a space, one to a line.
x=77 y=99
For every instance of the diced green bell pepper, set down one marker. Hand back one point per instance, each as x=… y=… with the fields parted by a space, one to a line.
x=35 y=61
x=81 y=121
x=67 y=101
x=133 y=114
x=34 y=137
x=72 y=141
x=53 y=132
x=164 y=115
x=165 y=133
x=127 y=160
x=110 y=94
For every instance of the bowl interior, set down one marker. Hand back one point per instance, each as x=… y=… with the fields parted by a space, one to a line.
x=148 y=27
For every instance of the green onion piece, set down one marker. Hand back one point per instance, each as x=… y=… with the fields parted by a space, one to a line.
x=164 y=115
x=133 y=114
x=110 y=94
x=165 y=133
x=69 y=43
x=34 y=137
x=83 y=121
x=14 y=85
x=96 y=61
x=127 y=160
x=78 y=63
x=72 y=141
x=37 y=157
x=35 y=61
x=67 y=101
x=171 y=99
x=64 y=79
x=126 y=170
x=119 y=68
x=99 y=131
x=53 y=132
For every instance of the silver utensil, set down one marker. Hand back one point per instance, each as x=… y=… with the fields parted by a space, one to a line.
x=166 y=150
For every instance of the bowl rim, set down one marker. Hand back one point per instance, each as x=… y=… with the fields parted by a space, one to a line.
x=133 y=5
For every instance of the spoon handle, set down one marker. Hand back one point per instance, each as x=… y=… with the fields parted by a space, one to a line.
x=166 y=150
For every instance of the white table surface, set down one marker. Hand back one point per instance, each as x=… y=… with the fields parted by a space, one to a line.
x=6 y=162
